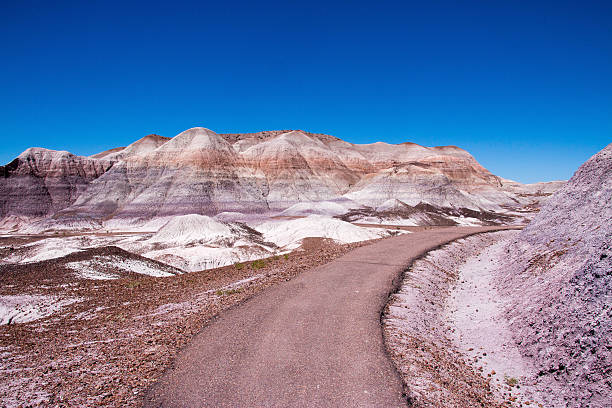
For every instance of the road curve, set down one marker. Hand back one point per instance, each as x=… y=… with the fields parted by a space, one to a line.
x=314 y=341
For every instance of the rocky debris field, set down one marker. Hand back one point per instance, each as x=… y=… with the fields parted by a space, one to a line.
x=112 y=338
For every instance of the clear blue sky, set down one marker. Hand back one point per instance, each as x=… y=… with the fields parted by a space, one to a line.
x=525 y=86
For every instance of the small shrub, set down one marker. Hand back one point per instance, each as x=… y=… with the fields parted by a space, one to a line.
x=286 y=256
x=227 y=292
x=239 y=265
x=511 y=381
x=258 y=264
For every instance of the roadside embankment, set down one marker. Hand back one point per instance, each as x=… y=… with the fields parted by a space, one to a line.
x=447 y=333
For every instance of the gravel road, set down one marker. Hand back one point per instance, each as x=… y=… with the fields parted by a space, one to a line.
x=313 y=341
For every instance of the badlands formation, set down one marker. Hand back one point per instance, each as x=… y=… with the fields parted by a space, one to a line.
x=102 y=245
x=291 y=173
x=202 y=200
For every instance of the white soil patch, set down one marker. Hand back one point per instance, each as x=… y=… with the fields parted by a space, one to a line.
x=97 y=267
x=28 y=308
x=87 y=272
x=475 y=314
x=141 y=267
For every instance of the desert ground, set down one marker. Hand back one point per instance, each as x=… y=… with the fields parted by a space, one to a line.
x=78 y=341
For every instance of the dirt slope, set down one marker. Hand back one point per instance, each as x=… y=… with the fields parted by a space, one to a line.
x=559 y=280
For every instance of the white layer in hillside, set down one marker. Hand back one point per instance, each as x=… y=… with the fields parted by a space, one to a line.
x=137 y=266
x=51 y=248
x=87 y=271
x=136 y=225
x=71 y=225
x=329 y=208
x=466 y=221
x=415 y=220
x=15 y=223
x=231 y=216
x=45 y=249
x=404 y=222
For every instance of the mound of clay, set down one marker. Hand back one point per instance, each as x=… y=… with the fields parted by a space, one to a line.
x=190 y=228
x=560 y=285
x=197 y=242
x=289 y=234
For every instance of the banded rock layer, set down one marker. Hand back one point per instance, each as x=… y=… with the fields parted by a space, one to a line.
x=41 y=182
x=202 y=172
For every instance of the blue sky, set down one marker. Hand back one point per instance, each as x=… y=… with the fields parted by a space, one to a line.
x=525 y=86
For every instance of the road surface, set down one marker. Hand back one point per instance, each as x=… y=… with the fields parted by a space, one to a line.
x=314 y=341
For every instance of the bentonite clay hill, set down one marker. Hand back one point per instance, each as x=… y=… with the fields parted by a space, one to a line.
x=559 y=282
x=41 y=181
x=202 y=172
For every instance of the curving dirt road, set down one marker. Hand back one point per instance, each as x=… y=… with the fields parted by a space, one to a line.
x=314 y=341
